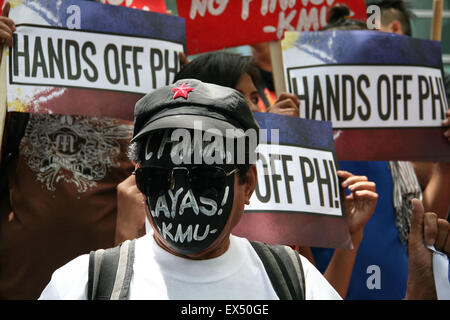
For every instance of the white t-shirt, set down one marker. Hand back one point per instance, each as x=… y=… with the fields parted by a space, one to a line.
x=238 y=274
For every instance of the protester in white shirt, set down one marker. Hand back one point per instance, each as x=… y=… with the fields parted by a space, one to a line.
x=193 y=204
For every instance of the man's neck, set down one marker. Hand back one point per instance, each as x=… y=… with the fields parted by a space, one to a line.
x=214 y=251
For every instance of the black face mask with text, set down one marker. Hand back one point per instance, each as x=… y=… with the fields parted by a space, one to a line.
x=189 y=204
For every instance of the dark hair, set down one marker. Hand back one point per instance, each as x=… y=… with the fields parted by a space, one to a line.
x=392 y=10
x=221 y=68
x=338 y=20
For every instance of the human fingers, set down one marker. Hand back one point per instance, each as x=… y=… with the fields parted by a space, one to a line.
x=442 y=236
x=417 y=222
x=369 y=195
x=447 y=134
x=344 y=174
x=446 y=248
x=183 y=59
x=430 y=228
x=291 y=97
x=362 y=185
x=446 y=121
x=289 y=111
x=5 y=36
x=352 y=180
x=284 y=104
x=9 y=23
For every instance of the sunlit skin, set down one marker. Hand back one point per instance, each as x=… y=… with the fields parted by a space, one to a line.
x=246 y=86
x=393 y=27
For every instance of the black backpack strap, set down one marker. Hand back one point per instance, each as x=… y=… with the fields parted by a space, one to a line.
x=284 y=268
x=110 y=272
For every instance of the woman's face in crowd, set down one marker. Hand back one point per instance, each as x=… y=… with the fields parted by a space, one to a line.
x=246 y=86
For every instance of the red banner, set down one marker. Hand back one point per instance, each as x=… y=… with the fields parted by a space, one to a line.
x=149 y=5
x=217 y=24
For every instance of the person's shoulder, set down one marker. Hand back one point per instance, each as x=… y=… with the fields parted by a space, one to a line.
x=68 y=281
x=75 y=264
x=317 y=287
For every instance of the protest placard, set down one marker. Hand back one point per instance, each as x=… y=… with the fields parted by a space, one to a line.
x=73 y=57
x=148 y=5
x=298 y=198
x=217 y=24
x=384 y=93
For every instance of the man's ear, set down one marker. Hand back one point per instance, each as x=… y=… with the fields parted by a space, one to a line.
x=250 y=183
x=395 y=27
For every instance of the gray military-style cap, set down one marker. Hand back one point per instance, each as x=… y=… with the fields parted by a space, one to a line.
x=190 y=101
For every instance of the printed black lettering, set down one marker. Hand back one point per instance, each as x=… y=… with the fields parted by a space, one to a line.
x=24 y=54
x=306 y=178
x=125 y=65
x=323 y=181
x=333 y=96
x=435 y=96
x=348 y=79
x=136 y=66
x=384 y=79
x=364 y=116
x=335 y=183
x=424 y=93
x=317 y=103
x=73 y=75
x=171 y=70
x=38 y=59
x=156 y=64
x=287 y=177
x=406 y=95
x=275 y=176
x=304 y=96
x=89 y=45
x=396 y=96
x=112 y=48
x=445 y=106
x=266 y=197
x=55 y=59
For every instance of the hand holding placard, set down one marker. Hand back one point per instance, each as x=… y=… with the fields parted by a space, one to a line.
x=287 y=104
x=94 y=67
x=7 y=26
x=360 y=204
x=387 y=92
x=426 y=229
x=446 y=123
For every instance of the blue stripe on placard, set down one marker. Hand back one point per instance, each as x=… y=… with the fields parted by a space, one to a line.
x=298 y=132
x=369 y=47
x=111 y=19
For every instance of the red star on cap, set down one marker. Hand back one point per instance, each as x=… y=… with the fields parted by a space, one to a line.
x=182 y=91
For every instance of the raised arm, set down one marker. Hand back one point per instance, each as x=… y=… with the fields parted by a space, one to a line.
x=360 y=205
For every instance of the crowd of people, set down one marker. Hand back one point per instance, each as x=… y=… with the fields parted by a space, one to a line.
x=49 y=226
